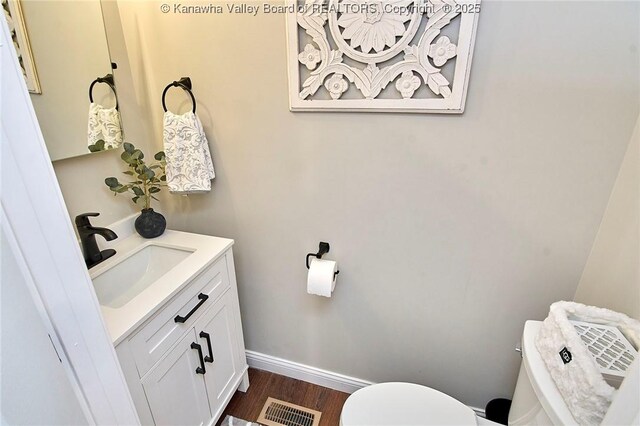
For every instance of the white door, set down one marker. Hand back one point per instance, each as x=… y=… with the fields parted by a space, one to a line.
x=176 y=392
x=29 y=363
x=215 y=326
x=34 y=213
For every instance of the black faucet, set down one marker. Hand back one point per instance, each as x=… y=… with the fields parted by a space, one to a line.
x=87 y=234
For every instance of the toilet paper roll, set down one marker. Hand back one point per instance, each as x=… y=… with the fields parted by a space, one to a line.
x=322 y=277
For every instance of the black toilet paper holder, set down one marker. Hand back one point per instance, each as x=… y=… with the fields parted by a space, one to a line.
x=323 y=248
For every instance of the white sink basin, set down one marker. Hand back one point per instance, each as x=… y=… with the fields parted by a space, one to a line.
x=123 y=281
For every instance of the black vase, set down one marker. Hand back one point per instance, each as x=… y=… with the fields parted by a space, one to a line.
x=150 y=224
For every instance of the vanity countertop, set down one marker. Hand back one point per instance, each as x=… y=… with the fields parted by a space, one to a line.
x=205 y=250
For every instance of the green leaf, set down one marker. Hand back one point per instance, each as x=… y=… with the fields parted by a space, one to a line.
x=163 y=178
x=126 y=157
x=136 y=190
x=128 y=172
x=111 y=182
x=159 y=156
x=128 y=147
x=135 y=199
x=97 y=147
x=148 y=173
x=154 y=189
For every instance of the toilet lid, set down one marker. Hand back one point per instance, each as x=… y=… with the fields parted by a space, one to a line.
x=404 y=404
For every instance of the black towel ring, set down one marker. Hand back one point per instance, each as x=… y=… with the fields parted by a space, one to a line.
x=185 y=84
x=107 y=79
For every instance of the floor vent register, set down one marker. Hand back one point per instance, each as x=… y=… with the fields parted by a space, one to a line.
x=281 y=413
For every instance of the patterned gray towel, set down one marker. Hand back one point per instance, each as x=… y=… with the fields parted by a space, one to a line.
x=189 y=167
x=104 y=124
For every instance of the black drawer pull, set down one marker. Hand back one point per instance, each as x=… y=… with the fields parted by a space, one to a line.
x=203 y=297
x=201 y=369
x=208 y=337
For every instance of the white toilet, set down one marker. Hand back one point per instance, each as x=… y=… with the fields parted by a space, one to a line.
x=405 y=404
x=536 y=399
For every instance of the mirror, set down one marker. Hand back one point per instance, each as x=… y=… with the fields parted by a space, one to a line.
x=62 y=46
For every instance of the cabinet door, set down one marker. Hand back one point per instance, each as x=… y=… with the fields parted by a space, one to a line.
x=176 y=393
x=217 y=327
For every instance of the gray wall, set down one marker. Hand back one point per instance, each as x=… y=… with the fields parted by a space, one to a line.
x=611 y=278
x=450 y=231
x=81 y=180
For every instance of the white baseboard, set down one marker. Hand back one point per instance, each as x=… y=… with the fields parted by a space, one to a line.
x=314 y=375
x=306 y=373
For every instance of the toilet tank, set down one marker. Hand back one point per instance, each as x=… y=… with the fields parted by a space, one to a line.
x=536 y=400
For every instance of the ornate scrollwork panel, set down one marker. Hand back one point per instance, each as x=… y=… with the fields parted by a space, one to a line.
x=343 y=54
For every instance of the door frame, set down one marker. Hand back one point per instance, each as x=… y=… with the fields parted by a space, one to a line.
x=36 y=219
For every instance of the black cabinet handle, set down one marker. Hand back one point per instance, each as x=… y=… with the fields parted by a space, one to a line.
x=203 y=297
x=201 y=369
x=208 y=337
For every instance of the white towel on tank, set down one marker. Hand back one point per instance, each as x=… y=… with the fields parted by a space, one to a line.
x=104 y=124
x=578 y=378
x=189 y=167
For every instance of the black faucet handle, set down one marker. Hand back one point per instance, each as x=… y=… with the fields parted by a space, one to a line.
x=83 y=219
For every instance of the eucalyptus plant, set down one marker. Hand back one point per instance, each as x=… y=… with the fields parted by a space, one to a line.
x=146 y=179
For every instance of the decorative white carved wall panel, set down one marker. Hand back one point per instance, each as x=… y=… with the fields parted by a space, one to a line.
x=380 y=55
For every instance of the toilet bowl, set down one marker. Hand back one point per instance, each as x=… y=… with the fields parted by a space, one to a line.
x=406 y=404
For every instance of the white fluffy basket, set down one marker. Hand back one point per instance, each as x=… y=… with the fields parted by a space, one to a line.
x=579 y=381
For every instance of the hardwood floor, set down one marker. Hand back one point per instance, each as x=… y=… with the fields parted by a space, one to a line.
x=263 y=384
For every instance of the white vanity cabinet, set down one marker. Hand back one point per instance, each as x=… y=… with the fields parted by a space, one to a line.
x=186 y=360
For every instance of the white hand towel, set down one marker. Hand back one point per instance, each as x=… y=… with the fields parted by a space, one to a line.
x=189 y=167
x=104 y=124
